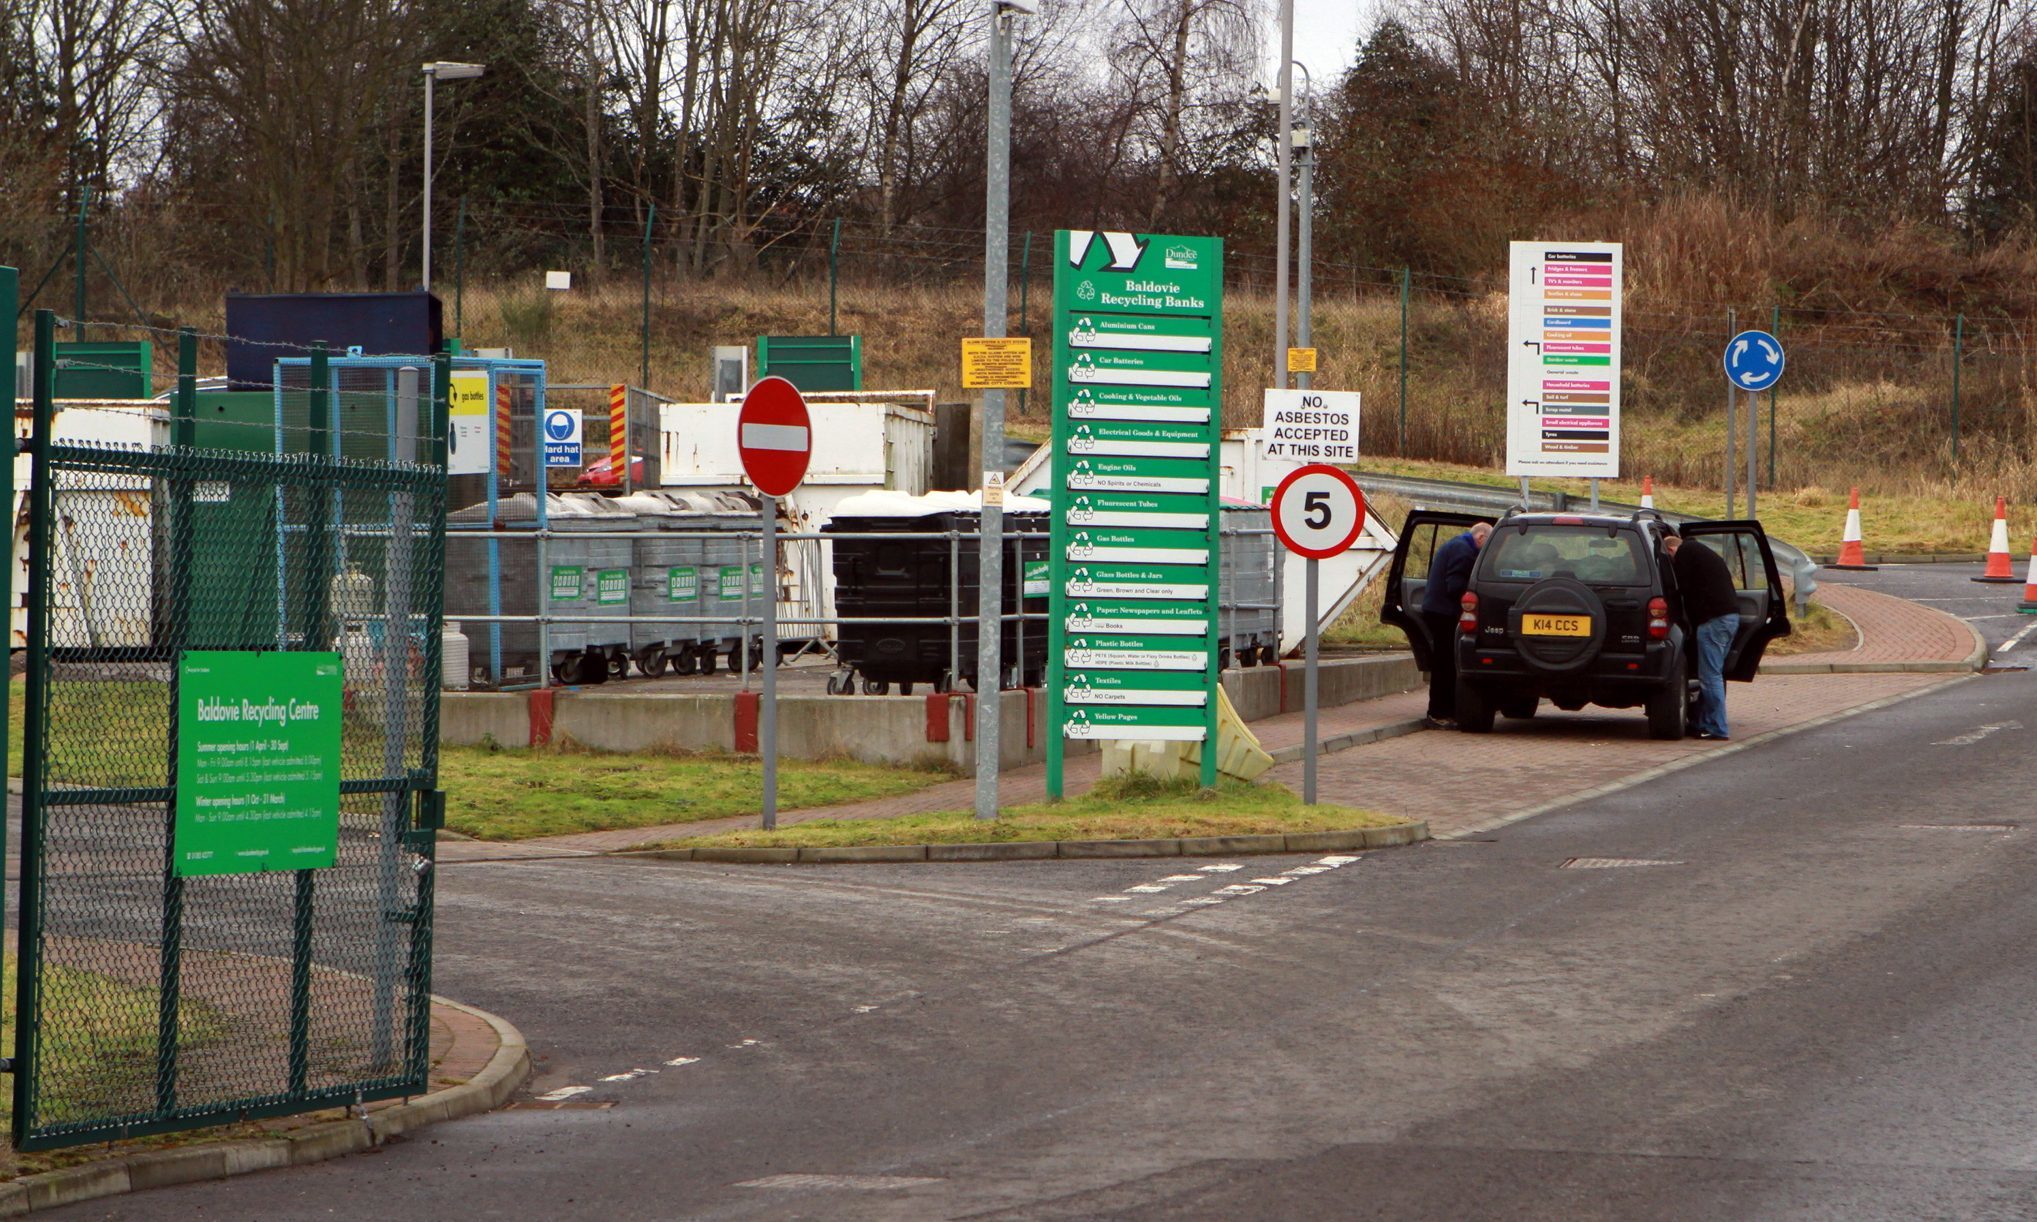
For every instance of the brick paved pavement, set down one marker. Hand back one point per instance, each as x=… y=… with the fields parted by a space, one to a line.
x=1521 y=766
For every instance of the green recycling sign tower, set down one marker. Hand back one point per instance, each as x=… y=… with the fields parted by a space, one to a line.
x=1138 y=394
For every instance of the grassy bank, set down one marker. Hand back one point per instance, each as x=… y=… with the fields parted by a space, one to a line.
x=516 y=794
x=1128 y=808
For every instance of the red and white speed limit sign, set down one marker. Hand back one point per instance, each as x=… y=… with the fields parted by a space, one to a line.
x=1318 y=511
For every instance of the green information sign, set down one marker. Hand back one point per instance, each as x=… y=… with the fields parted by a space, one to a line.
x=258 y=762
x=1138 y=384
x=611 y=586
x=682 y=584
x=731 y=586
x=566 y=583
x=1038 y=575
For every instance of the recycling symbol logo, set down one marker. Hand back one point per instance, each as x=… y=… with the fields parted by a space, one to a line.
x=1086 y=290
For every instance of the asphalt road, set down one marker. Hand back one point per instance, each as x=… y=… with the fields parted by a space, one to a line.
x=1819 y=1001
x=1990 y=608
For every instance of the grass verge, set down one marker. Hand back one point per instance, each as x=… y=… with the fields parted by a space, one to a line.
x=520 y=793
x=1118 y=808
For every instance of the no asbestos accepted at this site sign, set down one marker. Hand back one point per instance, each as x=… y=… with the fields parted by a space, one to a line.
x=1318 y=511
x=774 y=435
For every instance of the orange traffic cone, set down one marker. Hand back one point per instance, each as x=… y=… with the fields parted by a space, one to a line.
x=1647 y=492
x=1850 y=554
x=2029 y=604
x=2000 y=568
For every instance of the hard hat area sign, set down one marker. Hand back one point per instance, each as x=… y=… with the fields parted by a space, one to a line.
x=1312 y=425
x=563 y=428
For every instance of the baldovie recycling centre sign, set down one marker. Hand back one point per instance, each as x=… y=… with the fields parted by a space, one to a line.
x=258 y=761
x=1138 y=359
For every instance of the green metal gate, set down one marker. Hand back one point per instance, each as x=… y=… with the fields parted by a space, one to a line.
x=229 y=802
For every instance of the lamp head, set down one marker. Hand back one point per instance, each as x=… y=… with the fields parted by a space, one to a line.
x=453 y=70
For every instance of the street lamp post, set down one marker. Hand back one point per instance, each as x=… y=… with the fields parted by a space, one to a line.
x=1303 y=139
x=435 y=71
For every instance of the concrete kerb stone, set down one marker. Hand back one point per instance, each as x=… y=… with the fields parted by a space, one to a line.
x=1391 y=836
x=485 y=1091
x=1356 y=738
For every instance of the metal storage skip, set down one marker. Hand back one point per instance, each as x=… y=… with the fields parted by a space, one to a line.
x=914 y=578
x=588 y=579
x=1249 y=586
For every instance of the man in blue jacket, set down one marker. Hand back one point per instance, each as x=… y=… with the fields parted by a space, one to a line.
x=1449 y=575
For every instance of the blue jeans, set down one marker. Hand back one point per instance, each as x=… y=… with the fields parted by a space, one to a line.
x=1714 y=638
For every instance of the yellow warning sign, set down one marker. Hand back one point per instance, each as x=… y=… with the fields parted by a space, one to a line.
x=997 y=364
x=1301 y=360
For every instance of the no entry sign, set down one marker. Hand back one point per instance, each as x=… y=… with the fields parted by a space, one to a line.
x=1318 y=511
x=774 y=436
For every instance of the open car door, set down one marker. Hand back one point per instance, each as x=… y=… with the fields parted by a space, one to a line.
x=1764 y=612
x=1401 y=606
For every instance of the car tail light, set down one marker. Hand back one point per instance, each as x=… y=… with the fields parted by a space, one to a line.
x=1467 y=619
x=1658 y=618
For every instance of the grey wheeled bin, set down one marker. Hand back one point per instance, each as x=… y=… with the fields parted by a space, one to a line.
x=669 y=577
x=491 y=568
x=1249 y=587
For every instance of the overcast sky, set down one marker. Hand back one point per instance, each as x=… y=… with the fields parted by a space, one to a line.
x=1325 y=35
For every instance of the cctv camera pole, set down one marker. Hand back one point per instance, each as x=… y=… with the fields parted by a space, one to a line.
x=990 y=563
x=1286 y=150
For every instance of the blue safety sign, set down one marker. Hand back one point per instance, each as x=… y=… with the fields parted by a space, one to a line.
x=1753 y=360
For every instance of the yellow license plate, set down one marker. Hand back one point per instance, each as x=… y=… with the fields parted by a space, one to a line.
x=1556 y=625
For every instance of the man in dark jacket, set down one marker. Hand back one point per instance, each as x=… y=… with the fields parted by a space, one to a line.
x=1712 y=606
x=1449 y=575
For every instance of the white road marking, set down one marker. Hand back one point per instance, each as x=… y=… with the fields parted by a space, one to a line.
x=2018 y=638
x=1149 y=888
x=564 y=1092
x=1612 y=863
x=746 y=1044
x=676 y=1061
x=1274 y=881
x=1182 y=878
x=1222 y=869
x=1334 y=862
x=1238 y=889
x=1202 y=901
x=1303 y=871
x=864 y=1183
x=630 y=1076
x=1109 y=899
x=1973 y=736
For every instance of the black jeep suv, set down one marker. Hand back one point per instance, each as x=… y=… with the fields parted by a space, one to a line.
x=1581 y=609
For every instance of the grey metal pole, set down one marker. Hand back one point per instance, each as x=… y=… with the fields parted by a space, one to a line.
x=767 y=714
x=1308 y=162
x=1732 y=393
x=1525 y=502
x=429 y=77
x=1753 y=447
x=1282 y=192
x=1594 y=494
x=1308 y=688
x=990 y=538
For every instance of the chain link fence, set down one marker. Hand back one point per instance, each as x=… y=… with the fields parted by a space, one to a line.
x=176 y=968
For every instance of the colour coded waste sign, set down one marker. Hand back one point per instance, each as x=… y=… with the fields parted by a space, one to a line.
x=1563 y=359
x=1138 y=360
x=258 y=761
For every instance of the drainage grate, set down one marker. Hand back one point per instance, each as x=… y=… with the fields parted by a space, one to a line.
x=857 y=1183
x=1612 y=863
x=1959 y=827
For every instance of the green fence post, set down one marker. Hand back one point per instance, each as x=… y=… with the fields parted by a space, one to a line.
x=1958 y=349
x=459 y=269
x=1025 y=286
x=1775 y=329
x=834 y=262
x=318 y=634
x=169 y=963
x=644 y=367
x=1403 y=362
x=10 y=301
x=28 y=958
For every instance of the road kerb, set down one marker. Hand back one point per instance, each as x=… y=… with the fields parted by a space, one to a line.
x=1688 y=761
x=485 y=1091
x=1249 y=845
